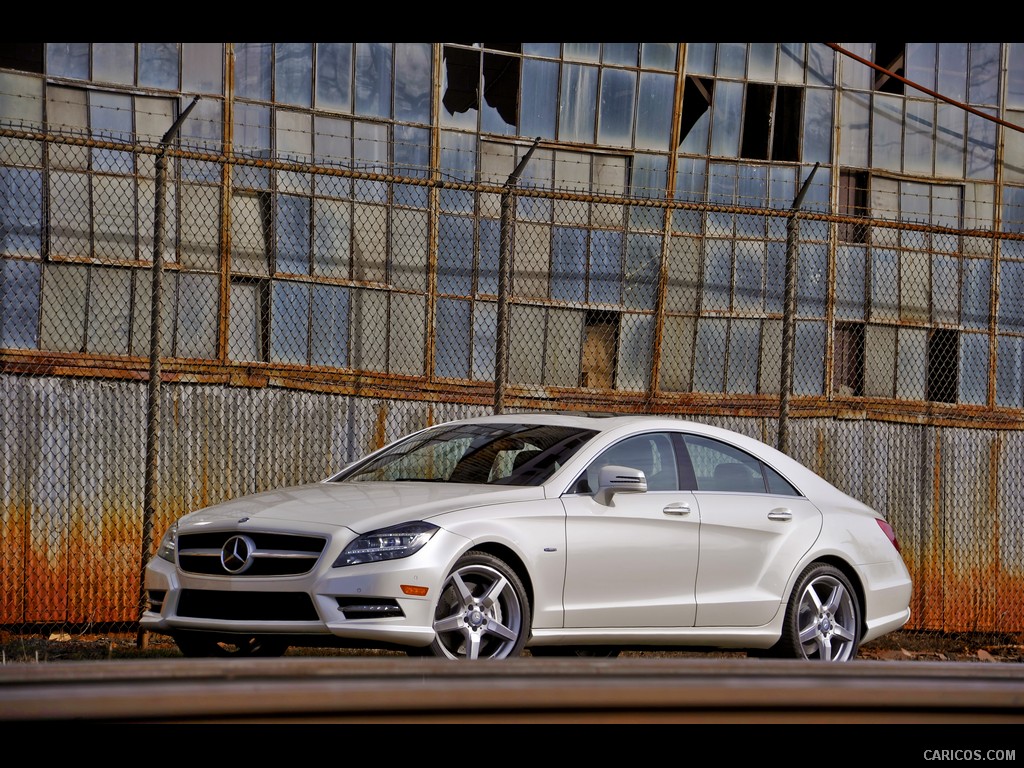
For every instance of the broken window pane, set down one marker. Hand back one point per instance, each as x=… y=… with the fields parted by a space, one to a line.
x=600 y=342
x=848 y=360
x=695 y=121
x=943 y=365
x=500 y=89
x=460 y=88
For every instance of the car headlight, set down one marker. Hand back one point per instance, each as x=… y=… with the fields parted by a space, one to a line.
x=386 y=544
x=168 y=544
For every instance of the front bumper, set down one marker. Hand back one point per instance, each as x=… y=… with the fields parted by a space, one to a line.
x=387 y=603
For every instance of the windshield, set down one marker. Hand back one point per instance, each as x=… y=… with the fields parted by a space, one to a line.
x=500 y=454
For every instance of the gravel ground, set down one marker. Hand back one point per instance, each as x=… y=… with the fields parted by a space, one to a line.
x=897 y=646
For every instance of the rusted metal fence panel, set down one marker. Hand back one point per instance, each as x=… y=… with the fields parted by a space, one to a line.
x=312 y=313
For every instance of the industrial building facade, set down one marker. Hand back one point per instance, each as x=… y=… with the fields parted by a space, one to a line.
x=333 y=237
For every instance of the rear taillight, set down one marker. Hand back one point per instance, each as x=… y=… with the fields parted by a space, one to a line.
x=889 y=532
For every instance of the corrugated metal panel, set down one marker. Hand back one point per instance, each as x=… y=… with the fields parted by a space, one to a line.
x=73 y=466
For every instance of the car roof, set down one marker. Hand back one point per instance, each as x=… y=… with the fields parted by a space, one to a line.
x=599 y=422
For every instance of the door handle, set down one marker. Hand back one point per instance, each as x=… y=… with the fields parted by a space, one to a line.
x=677 y=509
x=781 y=513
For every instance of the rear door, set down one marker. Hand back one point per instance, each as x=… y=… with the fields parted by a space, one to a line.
x=755 y=526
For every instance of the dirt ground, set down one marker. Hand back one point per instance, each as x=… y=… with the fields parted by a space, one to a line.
x=897 y=646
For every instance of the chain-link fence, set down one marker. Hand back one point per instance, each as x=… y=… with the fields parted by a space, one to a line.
x=308 y=314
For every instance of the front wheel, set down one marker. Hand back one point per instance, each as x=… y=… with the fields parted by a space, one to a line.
x=202 y=646
x=483 y=611
x=823 y=617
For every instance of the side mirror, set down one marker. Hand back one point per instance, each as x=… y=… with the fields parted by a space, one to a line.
x=615 y=479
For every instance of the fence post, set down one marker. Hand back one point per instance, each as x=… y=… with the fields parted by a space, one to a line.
x=153 y=391
x=789 y=314
x=504 y=279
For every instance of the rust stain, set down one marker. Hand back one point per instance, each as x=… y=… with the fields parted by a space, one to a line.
x=380 y=430
x=90 y=571
x=931 y=611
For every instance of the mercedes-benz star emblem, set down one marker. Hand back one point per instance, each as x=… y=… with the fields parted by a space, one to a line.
x=236 y=555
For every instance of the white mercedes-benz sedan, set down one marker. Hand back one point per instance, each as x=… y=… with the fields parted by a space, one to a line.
x=486 y=537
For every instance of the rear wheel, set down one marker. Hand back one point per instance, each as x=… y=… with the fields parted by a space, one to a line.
x=199 y=646
x=823 y=617
x=482 y=613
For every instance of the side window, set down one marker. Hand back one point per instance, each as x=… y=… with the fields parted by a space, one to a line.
x=779 y=485
x=651 y=453
x=720 y=467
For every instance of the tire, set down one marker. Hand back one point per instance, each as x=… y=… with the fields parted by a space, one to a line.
x=202 y=646
x=482 y=613
x=822 y=619
x=581 y=651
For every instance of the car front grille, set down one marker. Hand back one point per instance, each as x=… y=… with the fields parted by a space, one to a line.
x=268 y=554
x=246 y=606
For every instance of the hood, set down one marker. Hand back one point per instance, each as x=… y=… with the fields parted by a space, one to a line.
x=361 y=507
